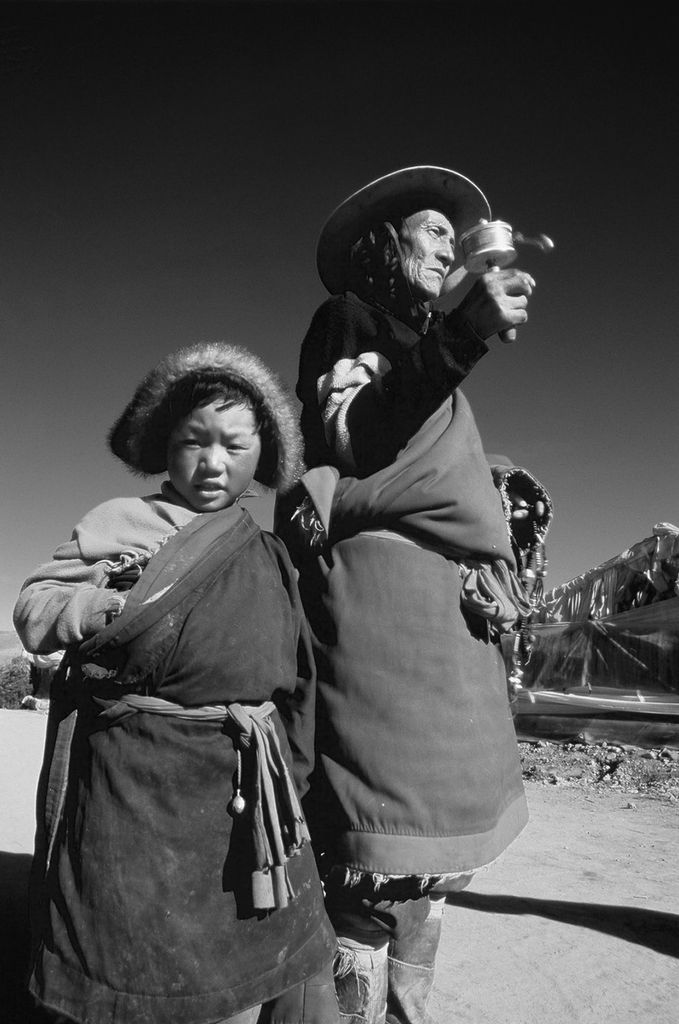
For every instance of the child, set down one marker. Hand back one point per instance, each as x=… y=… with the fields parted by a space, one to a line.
x=174 y=881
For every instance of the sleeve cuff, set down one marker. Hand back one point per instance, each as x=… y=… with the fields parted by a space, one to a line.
x=460 y=346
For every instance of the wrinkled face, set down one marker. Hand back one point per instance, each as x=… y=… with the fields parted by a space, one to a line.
x=212 y=455
x=428 y=243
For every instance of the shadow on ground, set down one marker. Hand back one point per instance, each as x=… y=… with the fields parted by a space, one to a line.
x=652 y=928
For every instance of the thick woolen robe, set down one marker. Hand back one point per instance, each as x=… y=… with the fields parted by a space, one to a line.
x=418 y=767
x=145 y=913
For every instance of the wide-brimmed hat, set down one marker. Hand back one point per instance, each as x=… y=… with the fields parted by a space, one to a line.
x=140 y=435
x=393 y=196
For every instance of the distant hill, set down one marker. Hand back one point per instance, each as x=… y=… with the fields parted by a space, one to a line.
x=10 y=645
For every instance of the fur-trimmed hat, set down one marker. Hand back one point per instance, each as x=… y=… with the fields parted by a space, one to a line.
x=140 y=435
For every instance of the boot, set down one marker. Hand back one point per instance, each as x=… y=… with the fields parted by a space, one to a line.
x=410 y=970
x=361 y=982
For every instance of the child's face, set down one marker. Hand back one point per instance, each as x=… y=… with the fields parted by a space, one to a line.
x=212 y=455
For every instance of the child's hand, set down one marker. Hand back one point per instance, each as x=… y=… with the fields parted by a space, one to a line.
x=116 y=609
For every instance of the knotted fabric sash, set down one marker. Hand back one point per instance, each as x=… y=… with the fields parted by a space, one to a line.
x=439 y=493
x=278 y=827
x=493 y=591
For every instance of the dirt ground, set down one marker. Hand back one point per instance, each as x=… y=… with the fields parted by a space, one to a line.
x=577 y=923
x=579 y=920
x=602 y=767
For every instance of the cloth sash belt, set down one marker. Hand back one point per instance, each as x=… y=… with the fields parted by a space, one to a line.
x=346 y=506
x=278 y=827
x=493 y=591
x=489 y=589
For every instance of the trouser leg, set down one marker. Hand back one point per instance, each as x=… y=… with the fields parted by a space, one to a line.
x=311 y=1002
x=412 y=958
x=410 y=969
x=364 y=928
x=361 y=979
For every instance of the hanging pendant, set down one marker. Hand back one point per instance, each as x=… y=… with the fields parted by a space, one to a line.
x=238 y=803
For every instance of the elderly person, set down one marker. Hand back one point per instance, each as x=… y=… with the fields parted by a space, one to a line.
x=409 y=576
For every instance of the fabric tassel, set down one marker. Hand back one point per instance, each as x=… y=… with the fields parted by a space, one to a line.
x=278 y=826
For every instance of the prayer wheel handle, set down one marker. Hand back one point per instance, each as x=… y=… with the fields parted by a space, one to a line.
x=489 y=245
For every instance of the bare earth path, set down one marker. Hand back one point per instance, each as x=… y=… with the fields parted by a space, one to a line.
x=578 y=922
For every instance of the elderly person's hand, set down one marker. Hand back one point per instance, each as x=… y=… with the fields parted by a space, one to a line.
x=497 y=301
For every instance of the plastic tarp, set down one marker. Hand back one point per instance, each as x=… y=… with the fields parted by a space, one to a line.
x=605 y=656
x=646 y=573
x=632 y=653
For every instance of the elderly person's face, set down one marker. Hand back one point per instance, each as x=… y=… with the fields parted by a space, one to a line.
x=428 y=244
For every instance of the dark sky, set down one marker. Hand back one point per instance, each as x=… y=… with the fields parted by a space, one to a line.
x=166 y=169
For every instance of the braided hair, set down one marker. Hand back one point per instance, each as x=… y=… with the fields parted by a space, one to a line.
x=375 y=267
x=376 y=272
